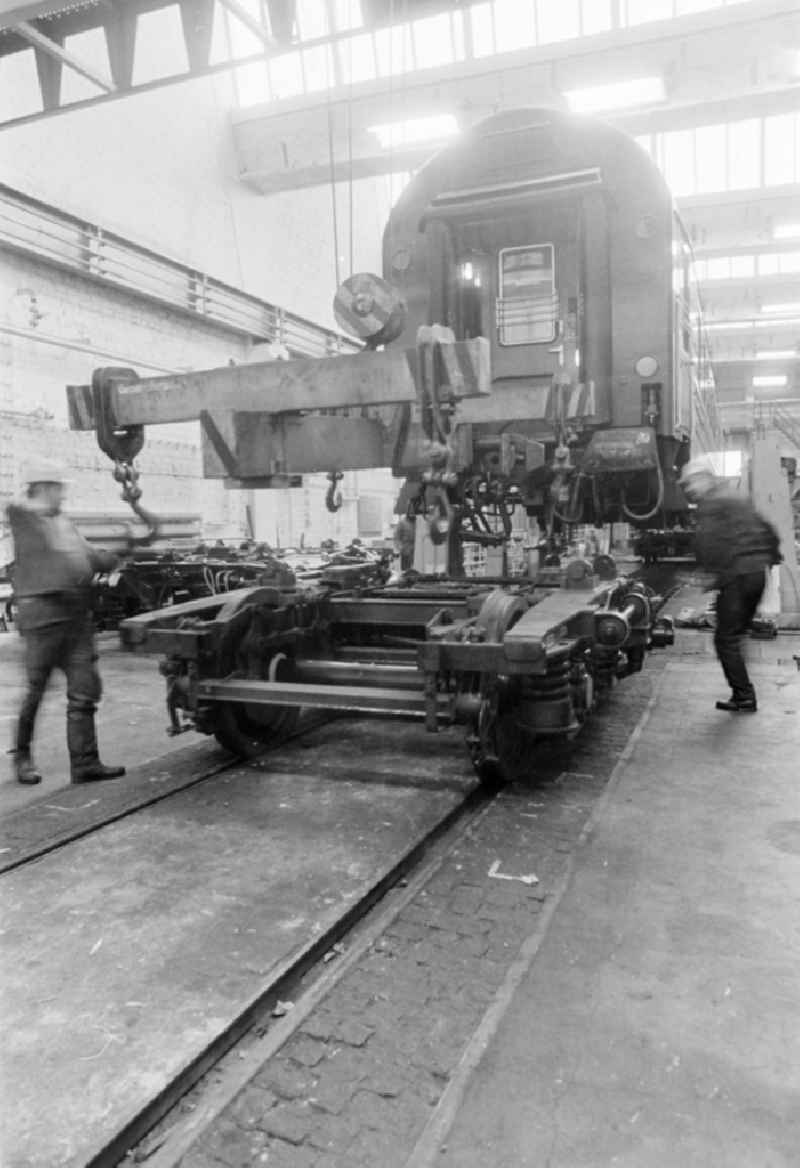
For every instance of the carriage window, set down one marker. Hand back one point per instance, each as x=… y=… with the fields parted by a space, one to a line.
x=527 y=307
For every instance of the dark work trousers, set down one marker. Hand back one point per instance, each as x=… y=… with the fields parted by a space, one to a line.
x=737 y=602
x=67 y=645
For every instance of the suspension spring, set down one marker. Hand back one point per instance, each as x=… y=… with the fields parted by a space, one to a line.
x=553 y=685
x=604 y=664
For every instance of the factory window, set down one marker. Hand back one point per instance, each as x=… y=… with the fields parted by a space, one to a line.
x=744 y=155
x=459 y=20
x=160 y=48
x=482 y=18
x=357 y=59
x=685 y=7
x=558 y=20
x=718 y=269
x=252 y=84
x=711 y=155
x=596 y=16
x=318 y=68
x=286 y=75
x=230 y=39
x=394 y=50
x=90 y=47
x=779 y=263
x=433 y=41
x=527 y=307
x=347 y=14
x=312 y=19
x=514 y=25
x=781 y=133
x=678 y=150
x=729 y=157
x=743 y=267
x=642 y=11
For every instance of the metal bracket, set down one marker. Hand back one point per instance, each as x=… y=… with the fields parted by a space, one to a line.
x=121 y=444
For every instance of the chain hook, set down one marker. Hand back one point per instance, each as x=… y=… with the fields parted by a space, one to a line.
x=333 y=496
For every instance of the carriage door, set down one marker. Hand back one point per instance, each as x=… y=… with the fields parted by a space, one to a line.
x=537 y=294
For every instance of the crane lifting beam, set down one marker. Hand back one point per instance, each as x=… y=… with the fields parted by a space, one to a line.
x=362 y=379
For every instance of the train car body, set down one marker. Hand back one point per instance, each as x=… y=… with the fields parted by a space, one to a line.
x=556 y=238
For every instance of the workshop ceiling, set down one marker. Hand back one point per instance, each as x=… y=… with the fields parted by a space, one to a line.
x=315 y=79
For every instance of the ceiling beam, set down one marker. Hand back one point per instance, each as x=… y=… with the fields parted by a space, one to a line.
x=120 y=34
x=197 y=22
x=12 y=12
x=254 y=26
x=49 y=70
x=44 y=43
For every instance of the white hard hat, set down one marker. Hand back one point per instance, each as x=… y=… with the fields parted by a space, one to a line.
x=44 y=470
x=697 y=467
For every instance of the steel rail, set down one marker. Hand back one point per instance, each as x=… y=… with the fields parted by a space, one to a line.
x=168 y=1152
x=102 y=819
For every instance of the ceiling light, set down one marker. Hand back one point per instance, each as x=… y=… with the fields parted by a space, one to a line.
x=416 y=130
x=786 y=231
x=775 y=323
x=781 y=309
x=617 y=95
x=776 y=354
x=770 y=381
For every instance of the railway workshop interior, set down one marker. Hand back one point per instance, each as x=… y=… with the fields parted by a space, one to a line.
x=399 y=583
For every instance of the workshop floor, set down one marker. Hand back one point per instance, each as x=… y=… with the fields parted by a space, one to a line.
x=131 y=721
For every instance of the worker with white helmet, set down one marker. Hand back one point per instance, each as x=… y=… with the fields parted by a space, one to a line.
x=736 y=545
x=53 y=569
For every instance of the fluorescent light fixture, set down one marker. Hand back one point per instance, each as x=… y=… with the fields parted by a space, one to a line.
x=786 y=231
x=781 y=309
x=730 y=326
x=776 y=354
x=415 y=130
x=770 y=381
x=617 y=95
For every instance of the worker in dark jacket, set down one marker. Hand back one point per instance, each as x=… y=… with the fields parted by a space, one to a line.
x=53 y=569
x=736 y=545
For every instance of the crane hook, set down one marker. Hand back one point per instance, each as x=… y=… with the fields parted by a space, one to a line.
x=333 y=496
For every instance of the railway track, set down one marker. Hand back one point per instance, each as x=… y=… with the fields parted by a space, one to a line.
x=384 y=772
x=529 y=832
x=193 y=1101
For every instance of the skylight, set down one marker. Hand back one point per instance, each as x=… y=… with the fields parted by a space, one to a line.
x=770 y=381
x=617 y=95
x=785 y=309
x=415 y=130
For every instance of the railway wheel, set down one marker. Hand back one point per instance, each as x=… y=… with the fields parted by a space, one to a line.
x=497 y=746
x=245 y=728
x=499 y=750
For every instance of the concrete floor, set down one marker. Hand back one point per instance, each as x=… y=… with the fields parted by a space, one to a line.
x=127 y=952
x=132 y=718
x=657 y=1025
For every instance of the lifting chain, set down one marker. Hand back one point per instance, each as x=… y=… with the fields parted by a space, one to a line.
x=127 y=475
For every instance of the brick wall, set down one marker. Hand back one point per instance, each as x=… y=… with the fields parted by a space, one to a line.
x=171 y=183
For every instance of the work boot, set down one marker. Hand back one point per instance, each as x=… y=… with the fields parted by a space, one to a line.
x=26 y=771
x=736 y=705
x=95 y=772
x=85 y=764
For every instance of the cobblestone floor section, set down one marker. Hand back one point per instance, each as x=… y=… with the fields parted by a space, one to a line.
x=357 y=1083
